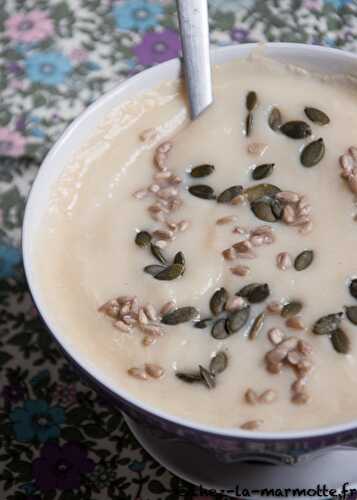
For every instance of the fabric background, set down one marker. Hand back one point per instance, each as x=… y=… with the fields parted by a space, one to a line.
x=58 y=440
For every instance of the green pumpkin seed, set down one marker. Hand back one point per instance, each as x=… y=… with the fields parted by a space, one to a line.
x=296 y=129
x=237 y=319
x=154 y=269
x=257 y=326
x=251 y=100
x=143 y=239
x=218 y=301
x=317 y=116
x=156 y=252
x=351 y=313
x=179 y=259
x=313 y=153
x=171 y=272
x=263 y=209
x=202 y=191
x=181 y=315
x=262 y=171
x=276 y=208
x=247 y=289
x=255 y=292
x=229 y=194
x=248 y=124
x=189 y=377
x=218 y=363
x=327 y=324
x=353 y=288
x=275 y=119
x=203 y=323
x=219 y=330
x=207 y=377
x=304 y=260
x=291 y=309
x=258 y=191
x=202 y=171
x=340 y=341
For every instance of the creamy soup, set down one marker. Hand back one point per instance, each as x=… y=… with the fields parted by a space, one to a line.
x=158 y=224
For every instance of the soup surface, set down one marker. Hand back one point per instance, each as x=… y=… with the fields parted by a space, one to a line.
x=132 y=198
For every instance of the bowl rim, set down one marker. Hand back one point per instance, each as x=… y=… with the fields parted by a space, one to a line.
x=172 y=66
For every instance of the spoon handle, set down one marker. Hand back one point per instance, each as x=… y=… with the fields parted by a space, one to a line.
x=193 y=20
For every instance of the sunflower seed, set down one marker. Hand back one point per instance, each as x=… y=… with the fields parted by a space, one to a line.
x=189 y=377
x=296 y=129
x=251 y=397
x=170 y=273
x=229 y=194
x=154 y=269
x=237 y=319
x=256 y=148
x=229 y=254
x=288 y=197
x=202 y=191
x=123 y=327
x=181 y=315
x=351 y=313
x=283 y=261
x=274 y=119
x=138 y=373
x=154 y=371
x=203 y=323
x=248 y=124
x=251 y=100
x=304 y=347
x=304 y=260
x=218 y=301
x=156 y=252
x=143 y=239
x=268 y=397
x=168 y=307
x=179 y=259
x=226 y=220
x=291 y=309
x=275 y=336
x=252 y=425
x=274 y=308
x=207 y=377
x=327 y=324
x=262 y=171
x=150 y=312
x=240 y=270
x=353 y=288
x=257 y=326
x=340 y=341
x=219 y=330
x=218 y=363
x=313 y=153
x=295 y=323
x=255 y=292
x=202 y=171
x=300 y=398
x=317 y=116
x=256 y=192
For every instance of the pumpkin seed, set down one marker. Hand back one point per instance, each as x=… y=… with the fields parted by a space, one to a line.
x=237 y=319
x=327 y=324
x=313 y=153
x=317 y=116
x=179 y=259
x=257 y=326
x=296 y=129
x=203 y=323
x=304 y=260
x=171 y=272
x=207 y=377
x=262 y=171
x=228 y=194
x=143 y=239
x=218 y=363
x=202 y=191
x=154 y=269
x=189 y=377
x=276 y=208
x=351 y=313
x=255 y=292
x=258 y=191
x=156 y=252
x=202 y=171
x=262 y=208
x=251 y=100
x=181 y=315
x=219 y=330
x=353 y=288
x=291 y=309
x=274 y=119
x=218 y=301
x=248 y=124
x=340 y=341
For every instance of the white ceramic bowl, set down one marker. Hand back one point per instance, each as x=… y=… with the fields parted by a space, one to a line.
x=228 y=444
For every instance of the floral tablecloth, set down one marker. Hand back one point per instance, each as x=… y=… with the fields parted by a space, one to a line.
x=58 y=440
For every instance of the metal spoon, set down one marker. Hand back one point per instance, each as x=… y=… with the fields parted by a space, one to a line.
x=193 y=20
